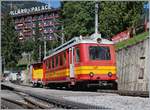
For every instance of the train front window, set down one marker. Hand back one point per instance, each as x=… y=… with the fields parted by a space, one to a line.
x=99 y=53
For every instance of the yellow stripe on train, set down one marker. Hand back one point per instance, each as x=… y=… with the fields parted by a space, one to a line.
x=83 y=70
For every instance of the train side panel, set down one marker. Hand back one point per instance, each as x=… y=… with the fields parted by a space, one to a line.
x=56 y=70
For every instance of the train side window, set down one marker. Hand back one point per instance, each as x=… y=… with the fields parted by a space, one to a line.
x=77 y=55
x=49 y=63
x=53 y=62
x=56 y=61
x=64 y=58
x=61 y=60
x=46 y=63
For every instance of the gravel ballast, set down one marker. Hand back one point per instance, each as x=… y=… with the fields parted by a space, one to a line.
x=115 y=102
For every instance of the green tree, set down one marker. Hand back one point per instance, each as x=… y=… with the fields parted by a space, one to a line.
x=37 y=43
x=27 y=45
x=78 y=18
x=114 y=16
x=117 y=16
x=11 y=48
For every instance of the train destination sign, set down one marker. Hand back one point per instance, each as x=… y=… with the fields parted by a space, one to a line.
x=25 y=10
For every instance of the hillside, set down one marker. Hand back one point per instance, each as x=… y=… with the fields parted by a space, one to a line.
x=132 y=41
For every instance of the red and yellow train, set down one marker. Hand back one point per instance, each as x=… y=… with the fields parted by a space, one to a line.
x=82 y=61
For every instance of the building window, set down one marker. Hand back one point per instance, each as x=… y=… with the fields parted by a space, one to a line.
x=77 y=55
x=33 y=25
x=33 y=32
x=46 y=16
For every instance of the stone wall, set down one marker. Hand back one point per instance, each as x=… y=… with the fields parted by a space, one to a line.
x=132 y=67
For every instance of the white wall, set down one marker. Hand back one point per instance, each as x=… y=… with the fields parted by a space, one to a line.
x=131 y=66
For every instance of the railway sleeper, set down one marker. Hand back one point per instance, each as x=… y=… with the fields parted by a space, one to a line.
x=57 y=101
x=38 y=103
x=24 y=105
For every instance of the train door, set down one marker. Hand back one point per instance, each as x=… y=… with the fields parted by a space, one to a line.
x=71 y=66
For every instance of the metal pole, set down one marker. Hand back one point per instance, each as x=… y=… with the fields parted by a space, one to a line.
x=149 y=51
x=1 y=65
x=62 y=38
x=40 y=53
x=44 y=46
x=0 y=48
x=4 y=63
x=29 y=54
x=96 y=17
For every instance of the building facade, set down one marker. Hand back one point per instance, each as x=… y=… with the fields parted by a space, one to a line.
x=26 y=22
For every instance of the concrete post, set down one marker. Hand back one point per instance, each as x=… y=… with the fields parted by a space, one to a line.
x=62 y=38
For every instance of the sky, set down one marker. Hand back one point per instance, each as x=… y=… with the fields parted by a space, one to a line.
x=52 y=3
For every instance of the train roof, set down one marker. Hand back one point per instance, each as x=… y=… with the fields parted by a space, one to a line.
x=78 y=40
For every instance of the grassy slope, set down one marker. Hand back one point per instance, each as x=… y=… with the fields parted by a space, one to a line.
x=131 y=41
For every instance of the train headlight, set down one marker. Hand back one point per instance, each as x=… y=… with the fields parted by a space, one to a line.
x=99 y=40
x=91 y=74
x=110 y=74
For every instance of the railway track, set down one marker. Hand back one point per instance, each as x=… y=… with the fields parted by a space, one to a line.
x=26 y=102
x=127 y=93
x=68 y=99
x=123 y=93
x=8 y=103
x=40 y=101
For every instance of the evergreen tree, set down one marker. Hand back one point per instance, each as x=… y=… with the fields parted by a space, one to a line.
x=114 y=16
x=78 y=18
x=117 y=16
x=37 y=43
x=27 y=45
x=11 y=48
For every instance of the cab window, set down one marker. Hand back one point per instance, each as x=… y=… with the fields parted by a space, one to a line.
x=99 y=53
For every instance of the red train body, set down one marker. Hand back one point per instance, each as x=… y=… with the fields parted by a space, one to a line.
x=83 y=62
